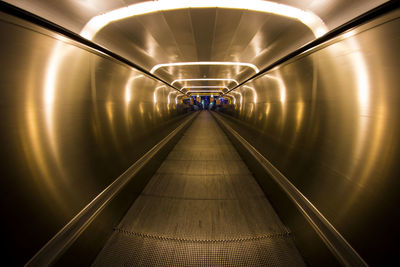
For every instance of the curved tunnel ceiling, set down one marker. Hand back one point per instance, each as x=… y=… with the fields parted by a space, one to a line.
x=196 y=43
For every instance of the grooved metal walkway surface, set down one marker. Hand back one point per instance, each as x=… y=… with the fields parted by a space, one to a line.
x=201 y=208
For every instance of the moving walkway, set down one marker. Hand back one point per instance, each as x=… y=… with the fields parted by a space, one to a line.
x=202 y=207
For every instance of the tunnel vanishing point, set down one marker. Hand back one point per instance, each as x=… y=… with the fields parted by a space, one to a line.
x=200 y=133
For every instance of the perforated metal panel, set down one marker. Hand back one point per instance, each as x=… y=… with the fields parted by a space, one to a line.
x=133 y=249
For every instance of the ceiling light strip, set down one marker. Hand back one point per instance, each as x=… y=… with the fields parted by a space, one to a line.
x=225 y=63
x=205 y=91
x=205 y=79
x=206 y=86
x=309 y=19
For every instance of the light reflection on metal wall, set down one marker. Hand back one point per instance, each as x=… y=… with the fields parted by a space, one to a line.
x=329 y=122
x=72 y=121
x=260 y=38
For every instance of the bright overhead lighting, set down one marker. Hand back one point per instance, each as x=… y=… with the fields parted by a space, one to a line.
x=207 y=86
x=204 y=79
x=205 y=91
x=156 y=67
x=308 y=18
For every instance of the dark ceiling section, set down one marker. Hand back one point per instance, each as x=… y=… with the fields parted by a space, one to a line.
x=180 y=25
x=226 y=28
x=158 y=32
x=203 y=24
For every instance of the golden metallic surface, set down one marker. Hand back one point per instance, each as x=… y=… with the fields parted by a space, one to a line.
x=328 y=121
x=200 y=34
x=72 y=120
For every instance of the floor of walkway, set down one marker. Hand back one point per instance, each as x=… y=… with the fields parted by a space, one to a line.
x=202 y=207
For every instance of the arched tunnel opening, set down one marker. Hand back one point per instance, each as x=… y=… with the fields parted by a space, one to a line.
x=199 y=133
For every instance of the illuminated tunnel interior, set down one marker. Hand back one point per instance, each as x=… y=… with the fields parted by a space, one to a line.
x=200 y=133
